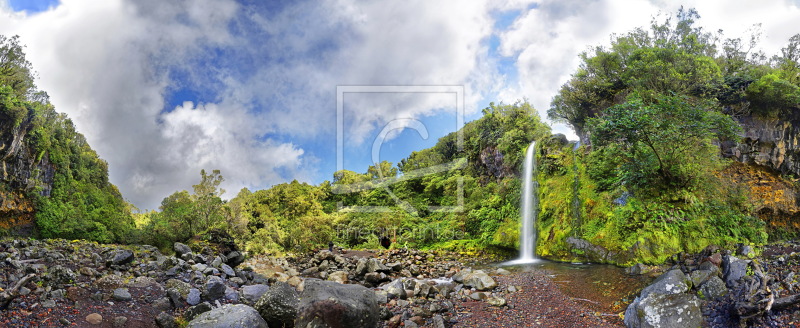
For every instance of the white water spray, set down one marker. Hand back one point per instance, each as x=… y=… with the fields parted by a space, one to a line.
x=530 y=205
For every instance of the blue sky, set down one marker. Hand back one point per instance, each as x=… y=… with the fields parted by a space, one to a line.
x=163 y=89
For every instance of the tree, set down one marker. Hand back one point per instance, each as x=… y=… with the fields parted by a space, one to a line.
x=207 y=199
x=666 y=141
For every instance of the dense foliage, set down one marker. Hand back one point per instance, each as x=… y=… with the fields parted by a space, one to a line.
x=81 y=202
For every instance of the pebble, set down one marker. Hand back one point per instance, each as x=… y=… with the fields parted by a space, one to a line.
x=94 y=318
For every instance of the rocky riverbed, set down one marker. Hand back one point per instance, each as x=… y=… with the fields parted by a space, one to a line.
x=60 y=283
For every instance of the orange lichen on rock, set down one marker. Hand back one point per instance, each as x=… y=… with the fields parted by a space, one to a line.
x=15 y=210
x=774 y=198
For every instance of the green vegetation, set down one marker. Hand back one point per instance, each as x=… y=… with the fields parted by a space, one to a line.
x=82 y=203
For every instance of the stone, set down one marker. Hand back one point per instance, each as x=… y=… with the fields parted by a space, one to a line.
x=94 y=318
x=120 y=257
x=234 y=258
x=110 y=281
x=278 y=306
x=194 y=311
x=59 y=275
x=698 y=277
x=193 y=297
x=478 y=296
x=121 y=295
x=512 y=289
x=496 y=301
x=438 y=321
x=165 y=320
x=181 y=249
x=214 y=288
x=714 y=288
x=745 y=251
x=330 y=304
x=423 y=289
x=376 y=277
x=231 y=294
x=733 y=269
x=252 y=293
x=229 y=316
x=162 y=304
x=480 y=281
x=637 y=269
x=120 y=321
x=227 y=270
x=338 y=276
x=664 y=311
x=670 y=282
x=48 y=304
x=396 y=288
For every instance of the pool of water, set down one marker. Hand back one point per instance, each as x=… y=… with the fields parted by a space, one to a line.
x=605 y=288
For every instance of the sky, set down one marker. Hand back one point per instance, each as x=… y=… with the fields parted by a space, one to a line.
x=163 y=89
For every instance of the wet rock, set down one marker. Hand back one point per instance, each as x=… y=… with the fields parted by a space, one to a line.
x=279 y=304
x=229 y=316
x=329 y=304
x=423 y=289
x=637 y=269
x=670 y=282
x=698 y=277
x=59 y=275
x=396 y=288
x=461 y=275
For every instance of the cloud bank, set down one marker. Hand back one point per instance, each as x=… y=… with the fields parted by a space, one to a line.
x=163 y=89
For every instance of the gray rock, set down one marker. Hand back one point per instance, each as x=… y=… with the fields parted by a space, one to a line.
x=637 y=269
x=670 y=282
x=252 y=293
x=459 y=276
x=193 y=311
x=181 y=249
x=423 y=289
x=376 y=277
x=214 y=288
x=745 y=251
x=338 y=276
x=120 y=257
x=229 y=316
x=59 y=275
x=234 y=258
x=165 y=320
x=120 y=321
x=121 y=295
x=330 y=304
x=396 y=288
x=733 y=269
x=438 y=321
x=713 y=289
x=193 y=296
x=480 y=281
x=279 y=304
x=698 y=277
x=48 y=304
x=227 y=270
x=231 y=294
x=664 y=311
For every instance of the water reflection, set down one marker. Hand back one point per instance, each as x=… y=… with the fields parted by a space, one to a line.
x=604 y=288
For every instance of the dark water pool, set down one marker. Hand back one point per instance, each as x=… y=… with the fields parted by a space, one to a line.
x=605 y=288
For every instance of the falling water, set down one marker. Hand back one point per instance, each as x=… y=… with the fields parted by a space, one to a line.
x=530 y=204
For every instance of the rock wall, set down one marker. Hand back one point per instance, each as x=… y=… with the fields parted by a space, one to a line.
x=21 y=172
x=769 y=142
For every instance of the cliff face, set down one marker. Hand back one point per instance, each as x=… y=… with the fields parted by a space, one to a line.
x=769 y=142
x=21 y=173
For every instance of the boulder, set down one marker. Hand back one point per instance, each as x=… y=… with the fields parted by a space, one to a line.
x=214 y=288
x=121 y=295
x=670 y=282
x=733 y=269
x=120 y=257
x=181 y=249
x=252 y=293
x=279 y=304
x=664 y=311
x=698 y=277
x=329 y=304
x=713 y=289
x=396 y=288
x=234 y=258
x=229 y=316
x=480 y=281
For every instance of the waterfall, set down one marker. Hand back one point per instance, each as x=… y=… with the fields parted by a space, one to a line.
x=530 y=206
